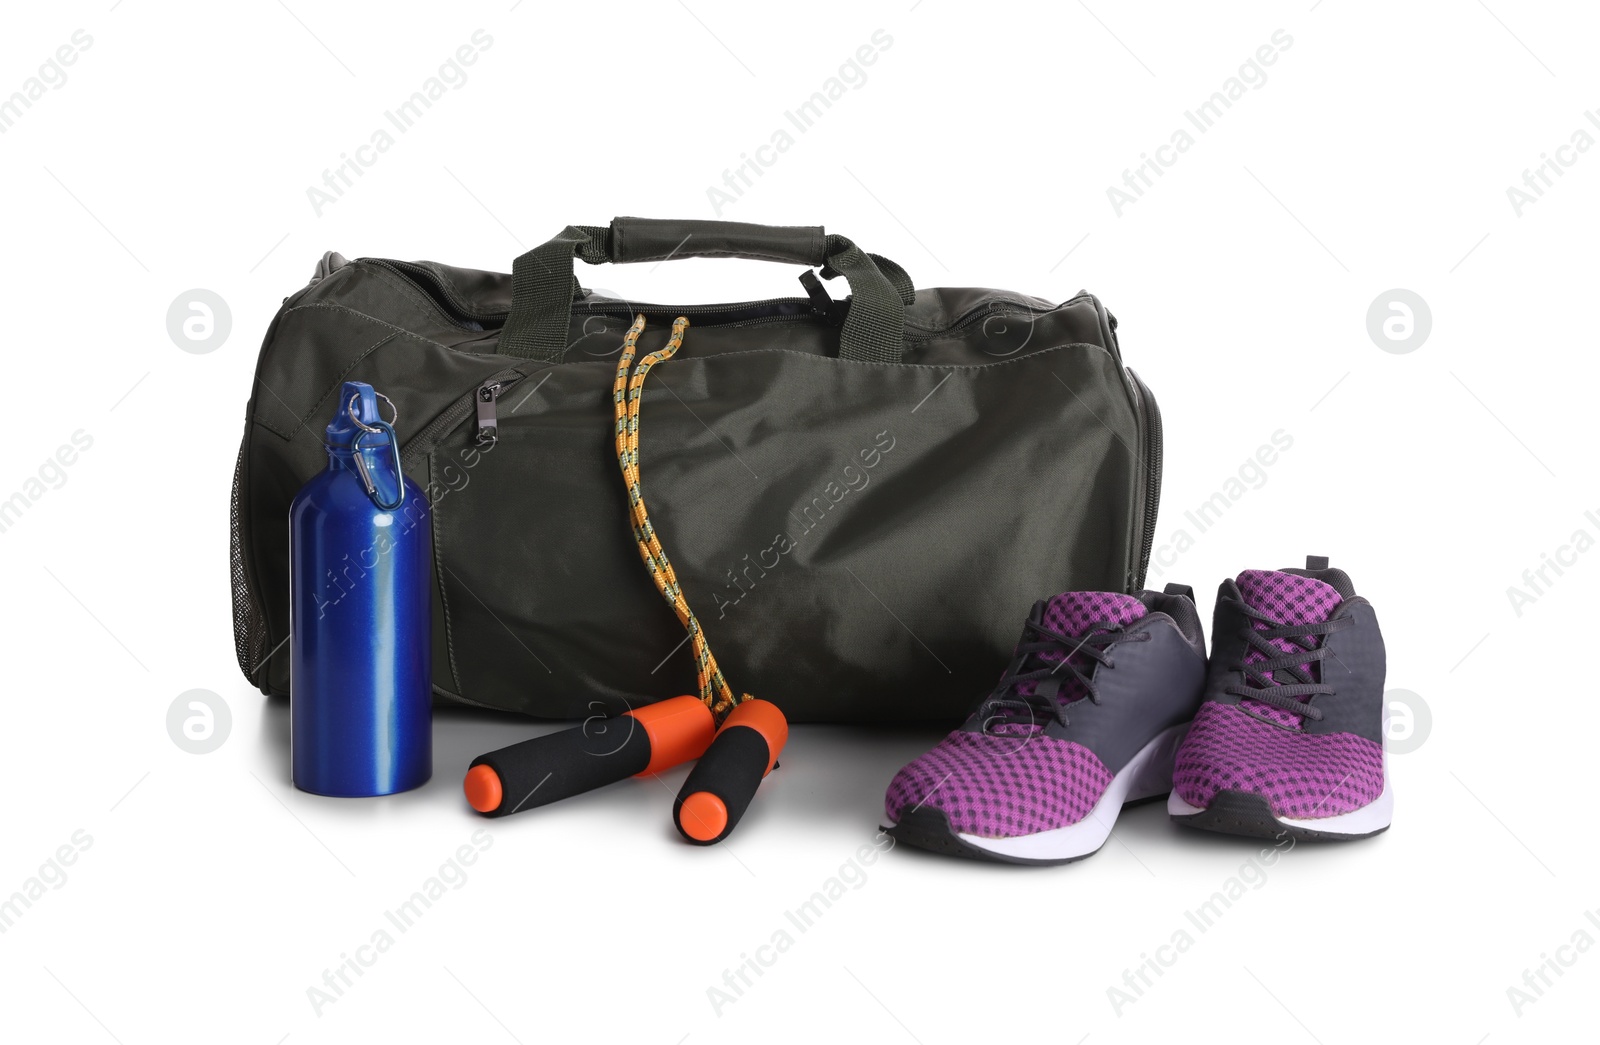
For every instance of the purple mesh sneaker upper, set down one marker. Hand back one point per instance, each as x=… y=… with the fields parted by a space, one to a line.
x=1012 y=780
x=1303 y=775
x=1073 y=613
x=1256 y=747
x=1288 y=599
x=1001 y=787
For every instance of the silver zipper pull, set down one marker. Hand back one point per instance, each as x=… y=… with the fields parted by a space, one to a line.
x=488 y=431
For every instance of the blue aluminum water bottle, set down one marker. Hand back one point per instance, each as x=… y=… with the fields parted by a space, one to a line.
x=360 y=687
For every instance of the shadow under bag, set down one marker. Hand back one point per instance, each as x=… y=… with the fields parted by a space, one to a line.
x=859 y=495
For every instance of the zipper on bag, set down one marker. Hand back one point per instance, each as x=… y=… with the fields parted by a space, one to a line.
x=487 y=396
x=443 y=298
x=1150 y=416
x=449 y=305
x=458 y=411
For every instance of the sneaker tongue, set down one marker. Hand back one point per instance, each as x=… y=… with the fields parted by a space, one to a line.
x=1070 y=613
x=1288 y=598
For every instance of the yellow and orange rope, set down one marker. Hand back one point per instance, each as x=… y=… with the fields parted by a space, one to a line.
x=627 y=393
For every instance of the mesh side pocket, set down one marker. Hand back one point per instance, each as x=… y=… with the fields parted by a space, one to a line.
x=249 y=629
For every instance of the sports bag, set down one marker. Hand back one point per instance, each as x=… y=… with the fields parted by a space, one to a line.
x=861 y=498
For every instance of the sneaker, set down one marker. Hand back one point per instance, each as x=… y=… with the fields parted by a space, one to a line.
x=1087 y=717
x=1289 y=741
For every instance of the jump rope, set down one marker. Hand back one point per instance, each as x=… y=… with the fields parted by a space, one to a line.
x=737 y=738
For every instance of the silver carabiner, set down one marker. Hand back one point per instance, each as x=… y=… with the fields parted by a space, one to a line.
x=381 y=428
x=350 y=412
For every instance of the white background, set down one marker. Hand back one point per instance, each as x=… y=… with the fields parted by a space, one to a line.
x=978 y=151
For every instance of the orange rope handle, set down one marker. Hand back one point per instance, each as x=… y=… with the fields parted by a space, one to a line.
x=627 y=395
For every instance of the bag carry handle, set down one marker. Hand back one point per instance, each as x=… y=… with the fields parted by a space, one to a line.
x=543 y=283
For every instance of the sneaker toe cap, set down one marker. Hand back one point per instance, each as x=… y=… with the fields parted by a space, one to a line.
x=1302 y=775
x=1001 y=787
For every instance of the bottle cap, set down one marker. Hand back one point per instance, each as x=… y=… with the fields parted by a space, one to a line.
x=357 y=402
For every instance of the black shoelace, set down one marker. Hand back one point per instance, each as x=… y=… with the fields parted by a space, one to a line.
x=1008 y=706
x=1293 y=697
